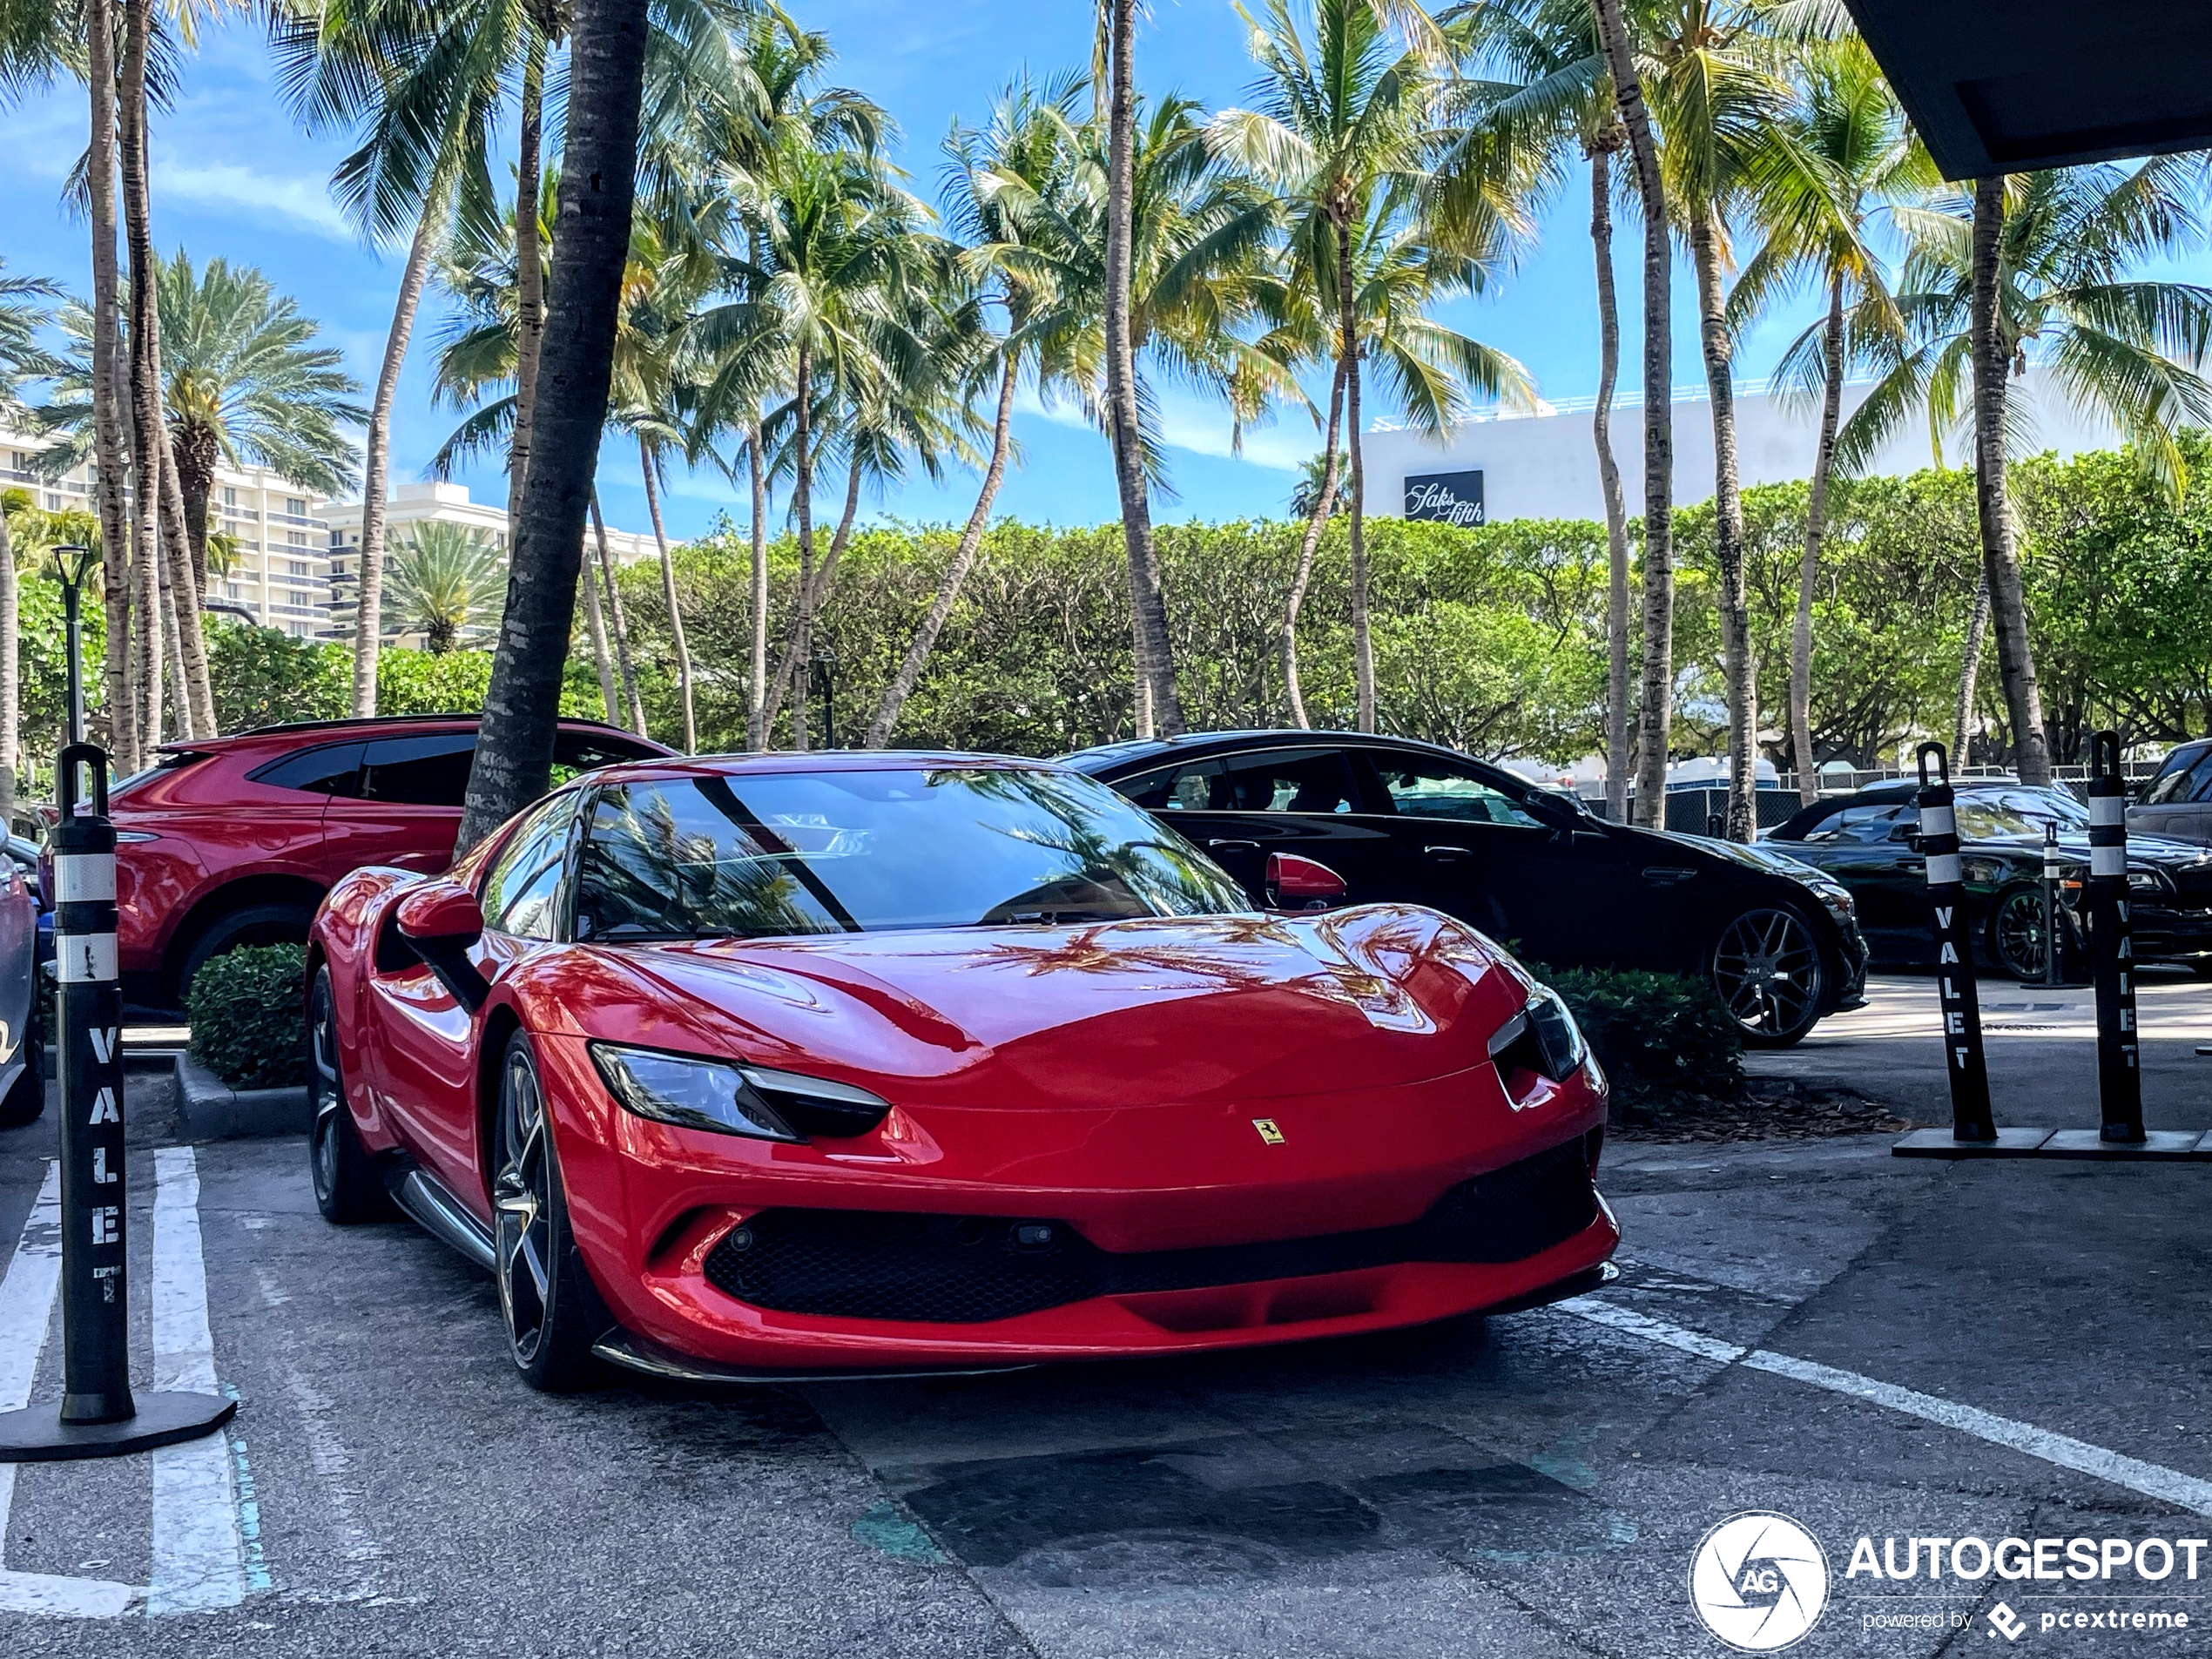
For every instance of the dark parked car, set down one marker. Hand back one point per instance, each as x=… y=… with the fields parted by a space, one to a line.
x=22 y=1088
x=2177 y=802
x=1411 y=822
x=1868 y=841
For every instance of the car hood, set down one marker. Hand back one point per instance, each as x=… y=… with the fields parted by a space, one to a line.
x=1153 y=1011
x=1758 y=856
x=2149 y=849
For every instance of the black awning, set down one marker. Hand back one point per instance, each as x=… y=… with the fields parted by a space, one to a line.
x=2016 y=85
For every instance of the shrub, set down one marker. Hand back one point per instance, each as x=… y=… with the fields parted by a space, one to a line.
x=1665 y=1040
x=248 y=1013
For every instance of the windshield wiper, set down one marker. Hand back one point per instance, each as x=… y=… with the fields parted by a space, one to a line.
x=1052 y=918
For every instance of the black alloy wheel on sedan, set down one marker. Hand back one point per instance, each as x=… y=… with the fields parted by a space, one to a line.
x=1415 y=822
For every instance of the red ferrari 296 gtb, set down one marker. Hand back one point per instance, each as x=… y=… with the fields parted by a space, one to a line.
x=805 y=1064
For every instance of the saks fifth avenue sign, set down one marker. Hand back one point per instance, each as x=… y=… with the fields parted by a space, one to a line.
x=1445 y=498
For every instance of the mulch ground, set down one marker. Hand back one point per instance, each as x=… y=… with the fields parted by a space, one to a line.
x=1773 y=1109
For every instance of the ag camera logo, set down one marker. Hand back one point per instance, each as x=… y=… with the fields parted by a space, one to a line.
x=1759 y=1582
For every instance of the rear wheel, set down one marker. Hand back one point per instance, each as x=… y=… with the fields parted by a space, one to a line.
x=253 y=924
x=544 y=1296
x=347 y=1190
x=1768 y=970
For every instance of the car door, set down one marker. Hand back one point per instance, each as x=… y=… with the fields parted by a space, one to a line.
x=1875 y=856
x=406 y=809
x=1469 y=840
x=424 y=1041
x=1306 y=799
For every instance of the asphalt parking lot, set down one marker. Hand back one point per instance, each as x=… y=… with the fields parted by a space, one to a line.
x=1872 y=1347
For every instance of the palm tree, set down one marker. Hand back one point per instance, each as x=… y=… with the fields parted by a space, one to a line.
x=246 y=385
x=2037 y=266
x=1343 y=137
x=22 y=312
x=515 y=751
x=1839 y=154
x=446 y=582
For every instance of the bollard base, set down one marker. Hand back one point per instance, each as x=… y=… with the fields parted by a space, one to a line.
x=36 y=1434
x=2159 y=1146
x=1941 y=1143
x=2091 y=1144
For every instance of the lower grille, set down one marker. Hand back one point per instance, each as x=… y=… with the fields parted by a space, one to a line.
x=965 y=1270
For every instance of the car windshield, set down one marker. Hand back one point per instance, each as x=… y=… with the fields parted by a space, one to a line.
x=2006 y=814
x=765 y=854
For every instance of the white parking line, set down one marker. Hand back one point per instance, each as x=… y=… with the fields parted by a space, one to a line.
x=2152 y=1479
x=196 y=1543
x=26 y=1309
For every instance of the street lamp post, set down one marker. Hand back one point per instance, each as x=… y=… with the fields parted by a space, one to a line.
x=73 y=565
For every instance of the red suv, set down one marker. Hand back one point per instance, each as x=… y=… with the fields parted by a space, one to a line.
x=234 y=840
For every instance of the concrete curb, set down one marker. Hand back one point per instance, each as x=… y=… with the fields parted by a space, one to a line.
x=210 y=1109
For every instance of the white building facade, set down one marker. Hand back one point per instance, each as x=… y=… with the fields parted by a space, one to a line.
x=1545 y=465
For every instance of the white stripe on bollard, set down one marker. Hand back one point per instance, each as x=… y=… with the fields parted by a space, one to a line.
x=85 y=959
x=1938 y=820
x=1943 y=867
x=84 y=878
x=2107 y=861
x=2107 y=810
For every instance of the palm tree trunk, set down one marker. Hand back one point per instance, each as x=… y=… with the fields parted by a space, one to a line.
x=191 y=640
x=668 y=592
x=810 y=601
x=1970 y=670
x=529 y=265
x=1738 y=673
x=1823 y=467
x=195 y=450
x=598 y=182
x=756 y=724
x=1150 y=603
x=1348 y=354
x=144 y=369
x=1655 y=715
x=802 y=507
x=625 y=665
x=1309 y=544
x=110 y=447
x=376 y=452
x=2000 y=560
x=964 y=556
x=595 y=627
x=1617 y=744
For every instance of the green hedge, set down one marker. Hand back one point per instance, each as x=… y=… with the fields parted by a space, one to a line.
x=248 y=1013
x=1665 y=1040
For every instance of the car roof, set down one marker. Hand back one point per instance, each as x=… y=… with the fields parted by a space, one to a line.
x=782 y=761
x=300 y=733
x=1108 y=757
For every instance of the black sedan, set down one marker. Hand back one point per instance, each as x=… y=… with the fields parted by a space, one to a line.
x=1869 y=842
x=1399 y=819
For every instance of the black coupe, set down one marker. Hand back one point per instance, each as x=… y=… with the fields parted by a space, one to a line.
x=1869 y=842
x=1400 y=819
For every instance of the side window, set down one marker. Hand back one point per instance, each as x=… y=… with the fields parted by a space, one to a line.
x=1174 y=789
x=1427 y=788
x=1864 y=823
x=576 y=752
x=2201 y=777
x=1285 y=780
x=2179 y=780
x=334 y=769
x=522 y=890
x=419 y=771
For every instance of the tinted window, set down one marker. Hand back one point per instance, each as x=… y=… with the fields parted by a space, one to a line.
x=809 y=853
x=1188 y=788
x=1287 y=780
x=1437 y=788
x=334 y=769
x=522 y=894
x=2000 y=814
x=419 y=771
x=2180 y=778
x=1868 y=822
x=580 y=752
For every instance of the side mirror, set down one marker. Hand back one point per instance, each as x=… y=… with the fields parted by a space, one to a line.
x=1295 y=883
x=441 y=914
x=439 y=921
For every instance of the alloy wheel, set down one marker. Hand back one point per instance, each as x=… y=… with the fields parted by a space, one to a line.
x=325 y=1097
x=2020 y=932
x=523 y=1197
x=1767 y=970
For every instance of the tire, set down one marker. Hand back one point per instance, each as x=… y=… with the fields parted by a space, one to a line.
x=26 y=1097
x=1769 y=970
x=545 y=1298
x=347 y=1190
x=253 y=924
x=2016 y=932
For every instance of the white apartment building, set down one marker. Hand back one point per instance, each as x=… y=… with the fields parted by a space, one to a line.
x=1545 y=465
x=280 y=579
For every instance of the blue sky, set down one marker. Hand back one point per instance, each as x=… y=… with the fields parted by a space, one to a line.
x=233 y=177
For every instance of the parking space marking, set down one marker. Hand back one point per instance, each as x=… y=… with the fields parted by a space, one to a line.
x=197 y=1551
x=2152 y=1479
x=26 y=1309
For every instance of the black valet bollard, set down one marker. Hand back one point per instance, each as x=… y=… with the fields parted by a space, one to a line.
x=2112 y=957
x=1971 y=1118
x=98 y=1416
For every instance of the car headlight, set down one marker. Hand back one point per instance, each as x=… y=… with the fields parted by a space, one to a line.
x=728 y=1098
x=1981 y=871
x=1542 y=1038
x=2141 y=878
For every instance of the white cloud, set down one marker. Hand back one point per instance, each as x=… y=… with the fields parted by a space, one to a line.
x=1194 y=425
x=299 y=202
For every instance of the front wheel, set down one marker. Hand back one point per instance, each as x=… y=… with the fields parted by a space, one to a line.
x=1768 y=971
x=544 y=1296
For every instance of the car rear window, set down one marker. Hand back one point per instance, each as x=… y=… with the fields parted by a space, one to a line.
x=176 y=761
x=328 y=769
